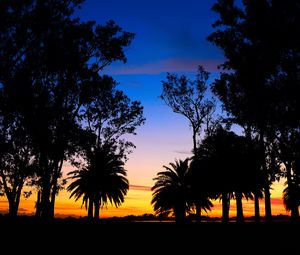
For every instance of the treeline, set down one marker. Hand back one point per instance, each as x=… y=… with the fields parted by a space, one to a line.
x=259 y=88
x=57 y=106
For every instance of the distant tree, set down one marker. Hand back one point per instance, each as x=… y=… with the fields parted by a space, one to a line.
x=171 y=191
x=101 y=181
x=176 y=191
x=229 y=169
x=49 y=60
x=189 y=98
x=17 y=161
x=261 y=45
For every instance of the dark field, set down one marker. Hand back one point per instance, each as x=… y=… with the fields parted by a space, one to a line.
x=70 y=235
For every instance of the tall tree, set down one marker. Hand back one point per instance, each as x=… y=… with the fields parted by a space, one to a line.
x=108 y=115
x=189 y=98
x=49 y=58
x=17 y=163
x=260 y=39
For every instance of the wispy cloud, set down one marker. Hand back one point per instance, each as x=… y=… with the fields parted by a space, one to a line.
x=139 y=187
x=168 y=65
x=184 y=152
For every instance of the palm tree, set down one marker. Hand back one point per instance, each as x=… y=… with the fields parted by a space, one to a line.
x=291 y=199
x=102 y=181
x=82 y=187
x=171 y=191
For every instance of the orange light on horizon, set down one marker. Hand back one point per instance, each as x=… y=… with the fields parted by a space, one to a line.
x=137 y=202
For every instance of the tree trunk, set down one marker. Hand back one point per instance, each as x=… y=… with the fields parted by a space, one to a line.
x=90 y=208
x=268 y=203
x=256 y=207
x=13 y=195
x=11 y=208
x=45 y=205
x=268 y=212
x=198 y=213
x=295 y=213
x=38 y=205
x=198 y=207
x=291 y=186
x=239 y=207
x=18 y=196
x=97 y=210
x=225 y=207
x=179 y=214
x=45 y=198
x=52 y=201
x=54 y=186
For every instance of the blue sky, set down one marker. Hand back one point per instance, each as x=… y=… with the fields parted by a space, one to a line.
x=170 y=36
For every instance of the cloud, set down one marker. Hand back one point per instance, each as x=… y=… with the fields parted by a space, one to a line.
x=185 y=152
x=167 y=65
x=138 y=187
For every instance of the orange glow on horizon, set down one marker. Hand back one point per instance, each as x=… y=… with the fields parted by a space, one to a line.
x=138 y=202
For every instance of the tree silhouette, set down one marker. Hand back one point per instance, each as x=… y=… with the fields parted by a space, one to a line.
x=291 y=198
x=49 y=59
x=265 y=34
x=229 y=168
x=17 y=162
x=101 y=181
x=171 y=192
x=110 y=115
x=188 y=98
x=200 y=189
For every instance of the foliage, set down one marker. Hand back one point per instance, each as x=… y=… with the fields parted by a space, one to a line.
x=102 y=181
x=50 y=68
x=188 y=98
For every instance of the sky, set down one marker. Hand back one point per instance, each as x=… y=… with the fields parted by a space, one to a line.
x=170 y=36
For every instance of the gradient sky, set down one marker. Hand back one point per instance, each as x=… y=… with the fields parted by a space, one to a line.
x=170 y=37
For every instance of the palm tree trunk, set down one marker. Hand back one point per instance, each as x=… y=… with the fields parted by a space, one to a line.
x=256 y=206
x=225 y=207
x=268 y=203
x=295 y=213
x=97 y=210
x=239 y=207
x=179 y=214
x=90 y=208
x=198 y=213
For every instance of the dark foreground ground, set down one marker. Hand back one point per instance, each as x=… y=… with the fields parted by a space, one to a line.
x=66 y=236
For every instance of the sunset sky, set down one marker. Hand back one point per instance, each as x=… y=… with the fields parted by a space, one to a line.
x=170 y=37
